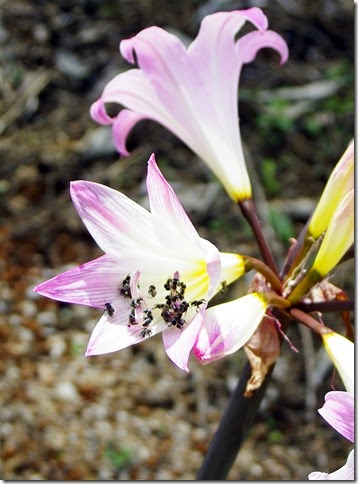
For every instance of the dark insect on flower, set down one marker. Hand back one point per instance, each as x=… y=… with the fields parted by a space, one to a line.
x=136 y=302
x=152 y=290
x=125 y=290
x=131 y=319
x=197 y=303
x=109 y=309
x=145 y=332
x=179 y=323
x=223 y=286
x=148 y=318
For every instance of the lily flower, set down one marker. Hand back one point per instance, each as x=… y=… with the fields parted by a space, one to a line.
x=339 y=184
x=338 y=411
x=157 y=274
x=192 y=91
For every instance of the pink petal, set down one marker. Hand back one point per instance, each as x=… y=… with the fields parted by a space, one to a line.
x=114 y=220
x=122 y=125
x=227 y=327
x=345 y=473
x=178 y=343
x=338 y=411
x=99 y=114
x=196 y=96
x=251 y=43
x=92 y=284
x=110 y=335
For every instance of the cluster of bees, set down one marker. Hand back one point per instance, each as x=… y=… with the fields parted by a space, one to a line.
x=172 y=311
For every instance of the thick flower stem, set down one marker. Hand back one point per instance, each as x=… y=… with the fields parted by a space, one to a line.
x=252 y=263
x=249 y=211
x=233 y=428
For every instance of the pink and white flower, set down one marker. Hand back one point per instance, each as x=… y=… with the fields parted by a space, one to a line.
x=338 y=411
x=192 y=91
x=338 y=408
x=157 y=274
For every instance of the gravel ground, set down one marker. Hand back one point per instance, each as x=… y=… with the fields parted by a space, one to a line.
x=132 y=415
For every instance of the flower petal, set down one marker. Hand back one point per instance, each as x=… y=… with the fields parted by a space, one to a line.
x=196 y=96
x=338 y=238
x=110 y=334
x=338 y=411
x=92 y=284
x=345 y=473
x=122 y=125
x=114 y=220
x=339 y=184
x=165 y=205
x=227 y=327
x=248 y=46
x=341 y=352
x=178 y=343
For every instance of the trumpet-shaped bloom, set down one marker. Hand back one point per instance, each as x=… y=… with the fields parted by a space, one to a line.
x=157 y=274
x=339 y=184
x=338 y=238
x=191 y=91
x=229 y=326
x=338 y=411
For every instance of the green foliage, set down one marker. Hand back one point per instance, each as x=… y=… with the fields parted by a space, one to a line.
x=269 y=176
x=78 y=349
x=118 y=457
x=275 y=436
x=275 y=117
x=282 y=225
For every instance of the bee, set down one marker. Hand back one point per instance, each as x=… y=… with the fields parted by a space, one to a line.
x=223 y=287
x=152 y=290
x=148 y=317
x=145 y=332
x=125 y=290
x=109 y=309
x=197 y=303
x=136 y=302
x=131 y=319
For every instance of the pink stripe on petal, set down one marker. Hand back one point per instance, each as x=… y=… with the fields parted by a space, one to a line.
x=114 y=220
x=92 y=284
x=338 y=411
x=108 y=337
x=228 y=326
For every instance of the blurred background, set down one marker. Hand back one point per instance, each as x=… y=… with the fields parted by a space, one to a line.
x=132 y=415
